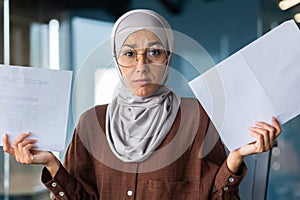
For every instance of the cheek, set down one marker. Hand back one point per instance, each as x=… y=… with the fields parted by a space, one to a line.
x=123 y=71
x=158 y=74
x=126 y=75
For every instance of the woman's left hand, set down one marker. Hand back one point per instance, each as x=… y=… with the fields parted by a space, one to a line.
x=265 y=135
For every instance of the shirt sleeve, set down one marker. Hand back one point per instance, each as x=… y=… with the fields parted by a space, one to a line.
x=226 y=184
x=76 y=179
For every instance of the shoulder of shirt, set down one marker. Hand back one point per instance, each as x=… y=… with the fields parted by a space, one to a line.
x=189 y=103
x=91 y=112
x=189 y=100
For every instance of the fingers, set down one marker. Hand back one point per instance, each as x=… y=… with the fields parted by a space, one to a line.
x=259 y=145
x=20 y=138
x=6 y=145
x=21 y=148
x=276 y=126
x=24 y=155
x=265 y=134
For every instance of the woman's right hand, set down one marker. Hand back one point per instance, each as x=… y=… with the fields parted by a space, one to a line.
x=23 y=151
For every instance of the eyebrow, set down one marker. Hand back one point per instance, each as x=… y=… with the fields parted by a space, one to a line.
x=149 y=44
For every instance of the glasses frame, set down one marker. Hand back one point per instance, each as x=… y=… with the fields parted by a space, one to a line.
x=147 y=59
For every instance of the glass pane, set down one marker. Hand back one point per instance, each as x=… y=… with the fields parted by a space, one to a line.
x=284 y=180
x=1 y=173
x=24 y=180
x=1 y=32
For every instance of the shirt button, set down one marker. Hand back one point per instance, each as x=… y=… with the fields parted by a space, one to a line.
x=129 y=193
x=225 y=188
x=54 y=184
x=61 y=194
x=231 y=179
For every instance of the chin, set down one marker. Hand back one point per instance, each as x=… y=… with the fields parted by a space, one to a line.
x=145 y=90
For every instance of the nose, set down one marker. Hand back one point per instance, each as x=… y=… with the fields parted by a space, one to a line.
x=141 y=63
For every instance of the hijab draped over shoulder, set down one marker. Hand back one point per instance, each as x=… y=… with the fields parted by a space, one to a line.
x=135 y=125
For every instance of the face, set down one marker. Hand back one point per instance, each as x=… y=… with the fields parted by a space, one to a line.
x=142 y=62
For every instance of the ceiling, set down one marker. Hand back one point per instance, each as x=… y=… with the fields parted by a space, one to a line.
x=43 y=10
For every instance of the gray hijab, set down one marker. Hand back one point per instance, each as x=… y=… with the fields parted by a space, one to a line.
x=136 y=126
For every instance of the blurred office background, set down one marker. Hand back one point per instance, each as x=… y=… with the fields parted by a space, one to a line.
x=74 y=35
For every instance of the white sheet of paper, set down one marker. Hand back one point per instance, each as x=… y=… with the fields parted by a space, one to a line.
x=259 y=81
x=35 y=100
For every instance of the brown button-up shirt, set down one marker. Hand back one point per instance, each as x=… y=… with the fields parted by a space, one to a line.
x=177 y=170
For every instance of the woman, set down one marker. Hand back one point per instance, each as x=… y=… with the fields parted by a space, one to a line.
x=146 y=143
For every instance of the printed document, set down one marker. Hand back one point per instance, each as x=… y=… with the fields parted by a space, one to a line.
x=35 y=100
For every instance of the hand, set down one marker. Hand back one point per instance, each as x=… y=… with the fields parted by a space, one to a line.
x=22 y=150
x=265 y=135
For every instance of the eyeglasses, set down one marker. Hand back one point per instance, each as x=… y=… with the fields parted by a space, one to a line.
x=154 y=55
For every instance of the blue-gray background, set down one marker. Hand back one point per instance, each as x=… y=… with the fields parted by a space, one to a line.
x=221 y=27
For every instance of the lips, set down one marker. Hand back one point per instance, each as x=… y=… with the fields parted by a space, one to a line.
x=142 y=82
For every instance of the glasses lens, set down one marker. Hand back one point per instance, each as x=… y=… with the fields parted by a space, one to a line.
x=127 y=57
x=156 y=56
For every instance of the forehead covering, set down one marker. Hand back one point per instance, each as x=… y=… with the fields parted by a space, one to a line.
x=139 y=19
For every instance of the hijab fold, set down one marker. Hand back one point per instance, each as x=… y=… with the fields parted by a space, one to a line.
x=138 y=125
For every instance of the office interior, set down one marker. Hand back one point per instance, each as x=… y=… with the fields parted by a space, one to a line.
x=69 y=34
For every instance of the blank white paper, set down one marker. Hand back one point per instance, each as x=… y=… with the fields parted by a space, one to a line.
x=259 y=81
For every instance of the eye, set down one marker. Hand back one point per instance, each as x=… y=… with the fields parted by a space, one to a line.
x=128 y=53
x=154 y=52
